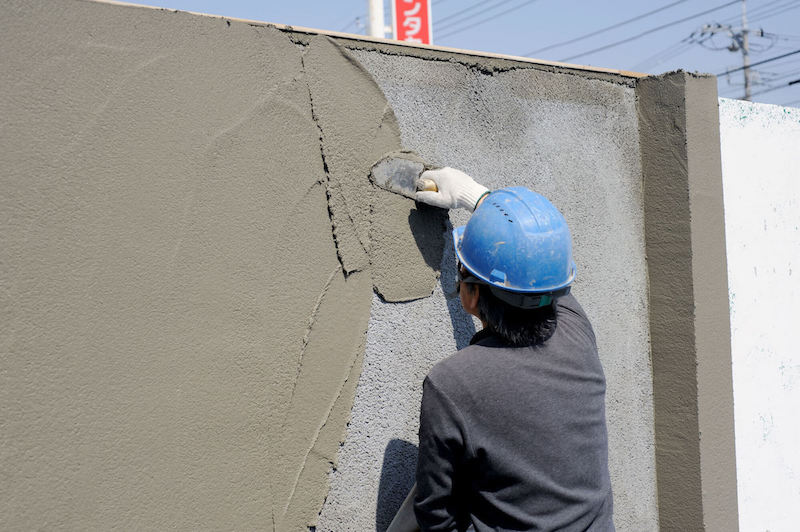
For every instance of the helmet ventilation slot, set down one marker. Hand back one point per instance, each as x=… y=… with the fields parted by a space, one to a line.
x=503 y=211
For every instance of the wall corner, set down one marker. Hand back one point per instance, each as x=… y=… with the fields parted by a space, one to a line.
x=689 y=314
x=712 y=309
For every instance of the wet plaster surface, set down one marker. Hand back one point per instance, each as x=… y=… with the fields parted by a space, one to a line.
x=399 y=243
x=690 y=328
x=664 y=125
x=575 y=140
x=190 y=249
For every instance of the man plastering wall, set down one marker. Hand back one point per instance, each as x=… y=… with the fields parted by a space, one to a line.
x=146 y=252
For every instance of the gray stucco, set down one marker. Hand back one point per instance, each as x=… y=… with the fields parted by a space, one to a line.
x=689 y=313
x=185 y=327
x=573 y=139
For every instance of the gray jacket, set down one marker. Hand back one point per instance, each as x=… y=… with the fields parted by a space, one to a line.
x=514 y=438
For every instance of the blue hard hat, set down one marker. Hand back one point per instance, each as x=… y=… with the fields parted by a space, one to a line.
x=517 y=241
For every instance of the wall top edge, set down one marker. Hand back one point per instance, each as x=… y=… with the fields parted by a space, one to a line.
x=381 y=44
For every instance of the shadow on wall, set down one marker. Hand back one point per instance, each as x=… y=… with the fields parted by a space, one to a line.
x=400 y=457
x=463 y=325
x=424 y=221
x=397 y=478
x=437 y=250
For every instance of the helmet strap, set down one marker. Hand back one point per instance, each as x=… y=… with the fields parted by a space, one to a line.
x=527 y=301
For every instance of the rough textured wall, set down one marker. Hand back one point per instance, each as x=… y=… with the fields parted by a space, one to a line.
x=572 y=138
x=194 y=263
x=760 y=161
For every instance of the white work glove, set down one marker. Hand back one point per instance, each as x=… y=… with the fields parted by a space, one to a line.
x=456 y=189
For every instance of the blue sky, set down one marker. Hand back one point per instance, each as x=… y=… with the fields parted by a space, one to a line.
x=668 y=39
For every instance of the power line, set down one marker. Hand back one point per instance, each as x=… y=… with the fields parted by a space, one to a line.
x=651 y=30
x=768 y=83
x=681 y=47
x=734 y=89
x=509 y=10
x=434 y=2
x=465 y=10
x=777 y=11
x=473 y=15
x=463 y=28
x=782 y=37
x=741 y=39
x=759 y=63
x=766 y=11
x=757 y=11
x=784 y=63
x=783 y=86
x=607 y=28
x=356 y=21
x=784 y=75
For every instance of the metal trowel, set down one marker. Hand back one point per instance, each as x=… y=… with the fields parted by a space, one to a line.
x=400 y=172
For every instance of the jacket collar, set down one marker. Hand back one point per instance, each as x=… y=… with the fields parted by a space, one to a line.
x=486 y=336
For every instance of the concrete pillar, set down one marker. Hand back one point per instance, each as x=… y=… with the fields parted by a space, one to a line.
x=689 y=315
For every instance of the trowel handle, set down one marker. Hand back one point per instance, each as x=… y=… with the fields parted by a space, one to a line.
x=428 y=185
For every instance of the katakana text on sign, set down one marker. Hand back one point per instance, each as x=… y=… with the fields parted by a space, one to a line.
x=412 y=21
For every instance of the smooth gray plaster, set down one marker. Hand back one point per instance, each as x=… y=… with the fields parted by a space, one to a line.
x=573 y=139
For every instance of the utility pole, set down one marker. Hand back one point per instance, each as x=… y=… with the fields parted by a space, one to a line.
x=739 y=41
x=745 y=52
x=377 y=24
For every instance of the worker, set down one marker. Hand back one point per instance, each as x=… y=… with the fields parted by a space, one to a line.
x=512 y=431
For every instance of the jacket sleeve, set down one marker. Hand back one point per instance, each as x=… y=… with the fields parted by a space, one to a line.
x=442 y=450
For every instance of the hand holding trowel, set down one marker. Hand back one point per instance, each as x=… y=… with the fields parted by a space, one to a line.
x=405 y=173
x=401 y=172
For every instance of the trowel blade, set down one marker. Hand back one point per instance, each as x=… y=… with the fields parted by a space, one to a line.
x=398 y=174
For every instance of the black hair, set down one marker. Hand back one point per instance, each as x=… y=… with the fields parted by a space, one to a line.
x=516 y=326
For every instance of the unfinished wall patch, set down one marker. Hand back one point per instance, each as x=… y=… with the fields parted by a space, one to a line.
x=399 y=243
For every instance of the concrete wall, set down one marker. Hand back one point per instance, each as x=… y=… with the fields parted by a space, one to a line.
x=213 y=320
x=760 y=161
x=574 y=139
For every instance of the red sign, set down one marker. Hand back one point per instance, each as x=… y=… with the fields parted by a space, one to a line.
x=412 y=21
